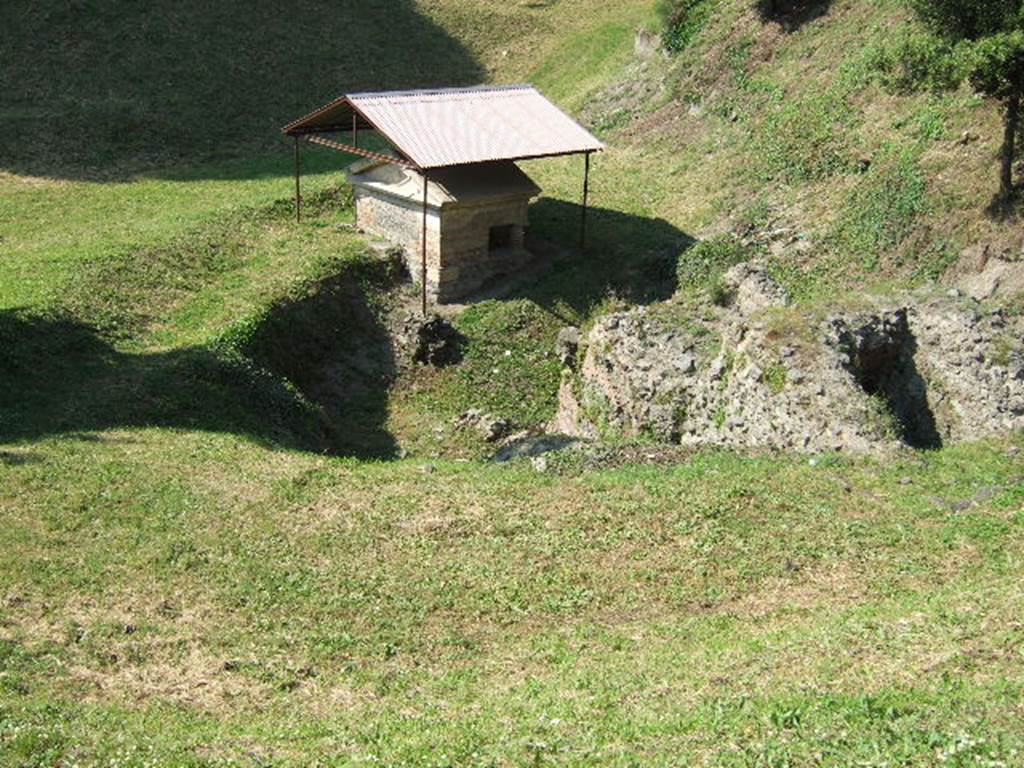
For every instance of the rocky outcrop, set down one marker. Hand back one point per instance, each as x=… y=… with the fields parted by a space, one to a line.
x=567 y=345
x=998 y=278
x=749 y=288
x=973 y=362
x=490 y=428
x=759 y=374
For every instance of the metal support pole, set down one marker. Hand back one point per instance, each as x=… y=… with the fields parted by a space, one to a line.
x=583 y=212
x=355 y=131
x=298 y=196
x=423 y=250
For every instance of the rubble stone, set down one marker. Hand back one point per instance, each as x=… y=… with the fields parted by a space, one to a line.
x=910 y=370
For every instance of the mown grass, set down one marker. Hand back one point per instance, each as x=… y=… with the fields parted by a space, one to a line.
x=193 y=573
x=56 y=232
x=728 y=611
x=97 y=90
x=585 y=60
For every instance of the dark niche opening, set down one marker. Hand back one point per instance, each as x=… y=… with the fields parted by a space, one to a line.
x=500 y=237
x=881 y=359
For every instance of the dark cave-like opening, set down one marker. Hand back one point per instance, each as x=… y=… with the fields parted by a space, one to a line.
x=881 y=354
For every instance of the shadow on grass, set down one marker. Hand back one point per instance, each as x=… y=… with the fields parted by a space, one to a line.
x=1003 y=208
x=99 y=90
x=12 y=459
x=311 y=375
x=793 y=14
x=630 y=257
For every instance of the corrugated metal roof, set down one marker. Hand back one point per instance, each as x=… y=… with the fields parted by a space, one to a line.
x=457 y=126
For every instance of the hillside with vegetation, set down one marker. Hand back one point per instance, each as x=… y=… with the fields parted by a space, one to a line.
x=238 y=529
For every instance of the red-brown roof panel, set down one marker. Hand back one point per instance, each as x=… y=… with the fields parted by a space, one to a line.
x=456 y=126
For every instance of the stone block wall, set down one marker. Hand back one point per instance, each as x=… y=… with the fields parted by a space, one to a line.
x=400 y=222
x=459 y=260
x=467 y=262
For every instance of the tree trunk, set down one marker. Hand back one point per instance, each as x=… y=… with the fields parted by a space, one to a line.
x=1009 y=145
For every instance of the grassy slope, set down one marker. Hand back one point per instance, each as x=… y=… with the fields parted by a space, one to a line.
x=186 y=581
x=790 y=127
x=208 y=605
x=54 y=231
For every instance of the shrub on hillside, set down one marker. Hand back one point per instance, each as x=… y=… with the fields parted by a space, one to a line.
x=681 y=20
x=977 y=41
x=701 y=267
x=918 y=61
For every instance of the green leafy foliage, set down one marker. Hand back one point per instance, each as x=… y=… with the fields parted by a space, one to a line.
x=700 y=268
x=980 y=41
x=983 y=42
x=682 y=20
x=997 y=65
x=967 y=19
x=919 y=60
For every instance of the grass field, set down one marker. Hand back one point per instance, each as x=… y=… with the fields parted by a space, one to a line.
x=186 y=598
x=213 y=553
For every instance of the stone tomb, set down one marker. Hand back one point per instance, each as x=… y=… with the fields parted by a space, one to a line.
x=476 y=220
